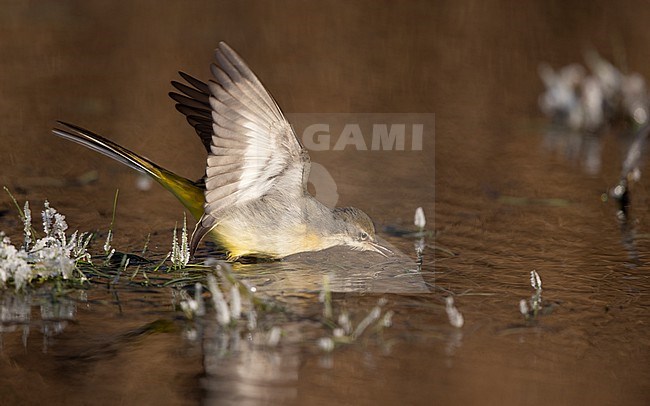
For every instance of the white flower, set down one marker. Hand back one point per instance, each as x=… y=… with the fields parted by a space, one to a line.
x=27 y=225
x=180 y=255
x=420 y=220
x=535 y=280
x=50 y=256
x=13 y=265
x=107 y=244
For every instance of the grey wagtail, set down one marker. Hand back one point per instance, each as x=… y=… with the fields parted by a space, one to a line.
x=253 y=200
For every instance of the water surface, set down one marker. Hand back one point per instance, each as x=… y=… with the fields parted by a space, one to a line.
x=501 y=201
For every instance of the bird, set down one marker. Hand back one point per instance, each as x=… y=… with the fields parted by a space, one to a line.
x=253 y=200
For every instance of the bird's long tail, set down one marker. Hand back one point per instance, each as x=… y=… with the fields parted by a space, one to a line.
x=188 y=192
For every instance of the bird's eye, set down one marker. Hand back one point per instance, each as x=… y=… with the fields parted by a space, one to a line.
x=363 y=236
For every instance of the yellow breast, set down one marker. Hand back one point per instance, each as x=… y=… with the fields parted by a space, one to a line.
x=277 y=243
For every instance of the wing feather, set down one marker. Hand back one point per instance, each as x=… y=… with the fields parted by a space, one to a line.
x=252 y=147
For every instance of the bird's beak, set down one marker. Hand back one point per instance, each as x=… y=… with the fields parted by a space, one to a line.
x=376 y=247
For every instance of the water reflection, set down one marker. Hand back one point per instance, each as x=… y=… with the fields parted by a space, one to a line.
x=583 y=109
x=55 y=312
x=576 y=147
x=239 y=368
x=586 y=149
x=348 y=271
x=261 y=363
x=245 y=364
x=474 y=65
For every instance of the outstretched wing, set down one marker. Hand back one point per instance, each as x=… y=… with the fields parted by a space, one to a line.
x=253 y=148
x=194 y=103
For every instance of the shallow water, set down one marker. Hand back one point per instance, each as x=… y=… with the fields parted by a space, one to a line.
x=502 y=198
